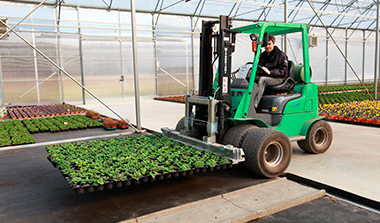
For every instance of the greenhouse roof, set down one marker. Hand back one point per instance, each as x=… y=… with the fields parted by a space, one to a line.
x=354 y=14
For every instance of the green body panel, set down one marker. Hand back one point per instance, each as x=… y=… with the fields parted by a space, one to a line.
x=299 y=113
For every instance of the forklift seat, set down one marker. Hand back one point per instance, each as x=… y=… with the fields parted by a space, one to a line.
x=287 y=85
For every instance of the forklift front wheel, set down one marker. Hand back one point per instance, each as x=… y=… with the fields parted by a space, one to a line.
x=181 y=125
x=267 y=152
x=318 y=138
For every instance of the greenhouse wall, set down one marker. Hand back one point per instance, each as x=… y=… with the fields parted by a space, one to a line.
x=95 y=47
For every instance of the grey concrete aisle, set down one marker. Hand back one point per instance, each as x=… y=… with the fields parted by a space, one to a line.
x=351 y=164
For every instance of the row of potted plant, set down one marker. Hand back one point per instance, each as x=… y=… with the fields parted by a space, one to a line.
x=118 y=160
x=13 y=132
x=359 y=111
x=108 y=123
x=59 y=123
x=340 y=88
x=180 y=98
x=43 y=110
x=343 y=97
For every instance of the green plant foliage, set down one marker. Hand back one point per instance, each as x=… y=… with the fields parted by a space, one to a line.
x=343 y=97
x=331 y=88
x=119 y=159
x=13 y=132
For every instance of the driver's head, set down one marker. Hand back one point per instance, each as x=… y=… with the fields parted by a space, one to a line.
x=269 y=48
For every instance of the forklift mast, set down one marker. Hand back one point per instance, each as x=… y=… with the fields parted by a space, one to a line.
x=216 y=45
x=224 y=46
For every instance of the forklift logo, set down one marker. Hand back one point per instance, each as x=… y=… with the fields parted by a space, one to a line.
x=225 y=89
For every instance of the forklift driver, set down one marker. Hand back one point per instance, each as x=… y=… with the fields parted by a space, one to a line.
x=272 y=69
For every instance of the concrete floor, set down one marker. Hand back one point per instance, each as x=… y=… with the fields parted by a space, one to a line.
x=351 y=164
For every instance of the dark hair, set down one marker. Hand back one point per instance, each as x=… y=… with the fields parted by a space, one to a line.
x=271 y=37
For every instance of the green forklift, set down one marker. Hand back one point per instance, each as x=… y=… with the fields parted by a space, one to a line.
x=223 y=119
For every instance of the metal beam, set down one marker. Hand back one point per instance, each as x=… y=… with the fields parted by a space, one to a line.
x=135 y=65
x=376 y=50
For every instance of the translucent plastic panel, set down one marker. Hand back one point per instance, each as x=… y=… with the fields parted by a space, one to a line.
x=49 y=92
x=101 y=68
x=101 y=50
x=181 y=24
x=47 y=45
x=168 y=86
x=46 y=69
x=355 y=57
x=147 y=85
x=20 y=92
x=69 y=17
x=72 y=91
x=104 y=87
x=14 y=46
x=18 y=68
x=43 y=17
x=69 y=47
x=369 y=60
x=336 y=63
x=318 y=62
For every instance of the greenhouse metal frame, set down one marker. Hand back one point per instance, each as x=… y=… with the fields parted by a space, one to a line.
x=93 y=42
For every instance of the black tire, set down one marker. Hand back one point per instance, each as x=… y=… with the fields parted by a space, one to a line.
x=180 y=124
x=236 y=135
x=318 y=138
x=267 y=152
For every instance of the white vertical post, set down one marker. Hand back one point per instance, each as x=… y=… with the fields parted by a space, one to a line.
x=2 y=96
x=363 y=58
x=286 y=21
x=135 y=64
x=155 y=55
x=35 y=63
x=346 y=55
x=60 y=61
x=376 y=52
x=327 y=59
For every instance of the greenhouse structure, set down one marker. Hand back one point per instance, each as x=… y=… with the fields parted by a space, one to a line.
x=162 y=111
x=92 y=41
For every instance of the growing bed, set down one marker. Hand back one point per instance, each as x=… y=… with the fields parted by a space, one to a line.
x=130 y=160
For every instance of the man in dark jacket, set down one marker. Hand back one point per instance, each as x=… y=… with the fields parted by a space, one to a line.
x=272 y=69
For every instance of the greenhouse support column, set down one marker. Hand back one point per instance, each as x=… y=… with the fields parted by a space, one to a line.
x=81 y=57
x=193 y=52
x=327 y=58
x=363 y=59
x=2 y=96
x=376 y=51
x=345 y=54
x=122 y=68
x=155 y=55
x=60 y=62
x=135 y=64
x=35 y=63
x=286 y=21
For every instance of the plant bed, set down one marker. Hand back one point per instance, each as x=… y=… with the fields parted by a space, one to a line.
x=367 y=112
x=179 y=99
x=129 y=160
x=13 y=132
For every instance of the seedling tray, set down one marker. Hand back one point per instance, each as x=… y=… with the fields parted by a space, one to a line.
x=109 y=163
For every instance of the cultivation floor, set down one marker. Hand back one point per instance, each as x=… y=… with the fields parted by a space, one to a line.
x=351 y=164
x=32 y=190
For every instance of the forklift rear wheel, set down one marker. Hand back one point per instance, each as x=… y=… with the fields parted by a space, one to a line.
x=236 y=135
x=267 y=152
x=318 y=138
